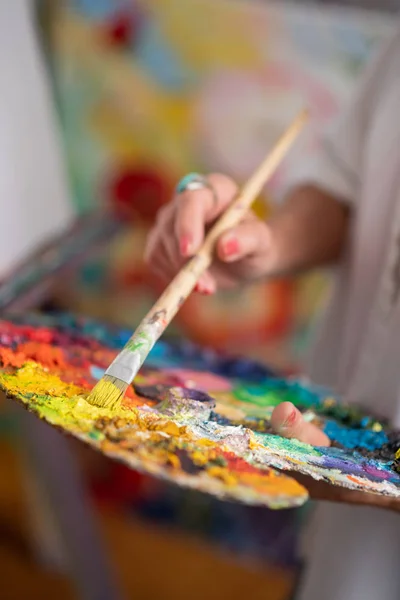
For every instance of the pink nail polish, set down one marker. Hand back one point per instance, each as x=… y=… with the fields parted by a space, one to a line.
x=204 y=290
x=291 y=418
x=231 y=247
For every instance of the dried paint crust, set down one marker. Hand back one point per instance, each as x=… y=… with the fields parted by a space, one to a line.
x=51 y=366
x=194 y=417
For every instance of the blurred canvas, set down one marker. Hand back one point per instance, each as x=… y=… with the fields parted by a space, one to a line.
x=149 y=90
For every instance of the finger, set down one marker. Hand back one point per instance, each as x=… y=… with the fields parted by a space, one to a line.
x=165 y=262
x=161 y=252
x=196 y=208
x=166 y=270
x=160 y=268
x=152 y=243
x=246 y=239
x=154 y=238
x=161 y=241
x=170 y=250
x=206 y=284
x=287 y=421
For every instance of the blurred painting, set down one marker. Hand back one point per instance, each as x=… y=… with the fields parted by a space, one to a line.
x=148 y=90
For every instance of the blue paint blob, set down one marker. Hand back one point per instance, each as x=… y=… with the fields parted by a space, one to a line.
x=159 y=59
x=96 y=372
x=241 y=368
x=159 y=350
x=355 y=438
x=123 y=336
x=162 y=356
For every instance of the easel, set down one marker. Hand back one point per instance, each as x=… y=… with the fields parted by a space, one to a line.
x=62 y=517
x=67 y=533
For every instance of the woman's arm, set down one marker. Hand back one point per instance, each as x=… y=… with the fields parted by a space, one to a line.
x=309 y=231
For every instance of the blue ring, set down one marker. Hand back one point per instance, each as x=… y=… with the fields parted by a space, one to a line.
x=186 y=180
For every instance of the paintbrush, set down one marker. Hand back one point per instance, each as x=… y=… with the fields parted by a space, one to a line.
x=109 y=391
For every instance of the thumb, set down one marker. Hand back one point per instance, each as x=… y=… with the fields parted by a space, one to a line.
x=287 y=421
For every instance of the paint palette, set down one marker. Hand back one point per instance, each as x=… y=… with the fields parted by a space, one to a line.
x=194 y=417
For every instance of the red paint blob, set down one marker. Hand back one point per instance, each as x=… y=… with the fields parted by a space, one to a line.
x=138 y=192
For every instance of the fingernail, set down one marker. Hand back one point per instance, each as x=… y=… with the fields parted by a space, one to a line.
x=290 y=419
x=203 y=289
x=231 y=247
x=200 y=288
x=185 y=245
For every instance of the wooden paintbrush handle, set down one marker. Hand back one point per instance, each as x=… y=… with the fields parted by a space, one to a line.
x=130 y=359
x=184 y=282
x=243 y=202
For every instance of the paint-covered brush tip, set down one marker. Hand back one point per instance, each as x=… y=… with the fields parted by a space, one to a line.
x=108 y=392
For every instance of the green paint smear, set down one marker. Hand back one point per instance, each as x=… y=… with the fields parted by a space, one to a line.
x=285 y=445
x=264 y=396
x=96 y=435
x=141 y=342
x=253 y=396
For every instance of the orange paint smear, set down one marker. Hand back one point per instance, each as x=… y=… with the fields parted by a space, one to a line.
x=10 y=358
x=48 y=356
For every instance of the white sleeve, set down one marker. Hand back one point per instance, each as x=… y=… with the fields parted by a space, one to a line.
x=338 y=166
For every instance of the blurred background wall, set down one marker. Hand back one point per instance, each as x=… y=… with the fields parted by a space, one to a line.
x=34 y=194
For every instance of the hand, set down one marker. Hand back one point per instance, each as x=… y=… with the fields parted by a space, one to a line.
x=288 y=421
x=242 y=253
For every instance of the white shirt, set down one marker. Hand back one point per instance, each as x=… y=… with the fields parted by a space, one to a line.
x=358 y=348
x=34 y=197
